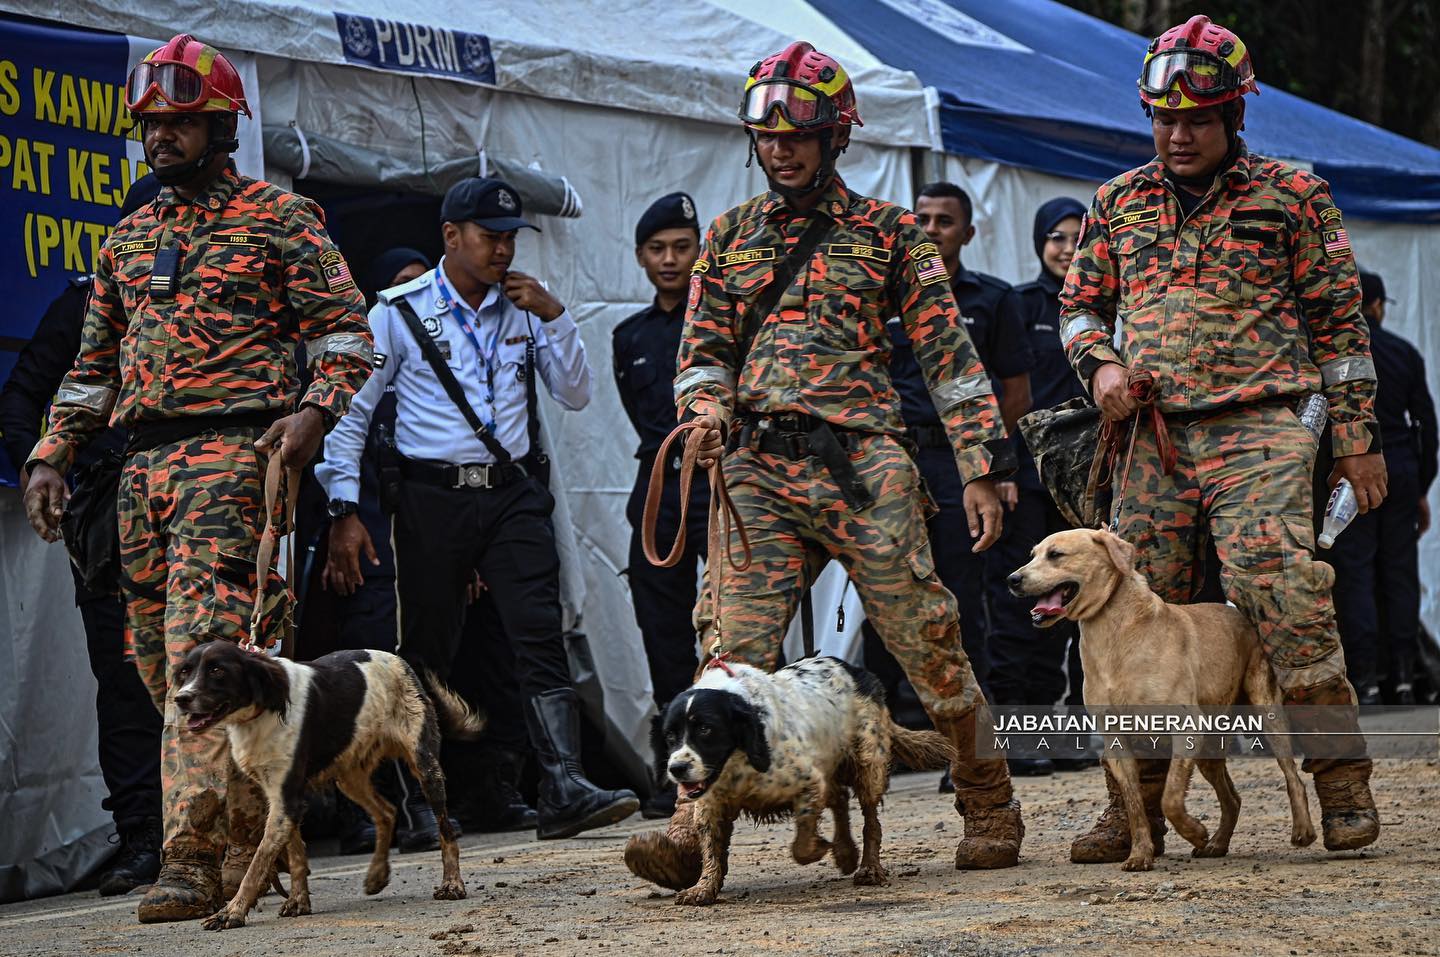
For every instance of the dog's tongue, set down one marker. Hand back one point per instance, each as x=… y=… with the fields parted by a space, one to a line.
x=196 y=722
x=1051 y=604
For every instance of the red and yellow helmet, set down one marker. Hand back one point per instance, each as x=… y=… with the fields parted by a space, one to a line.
x=1196 y=64
x=185 y=76
x=798 y=89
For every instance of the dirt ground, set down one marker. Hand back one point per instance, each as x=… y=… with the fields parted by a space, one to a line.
x=576 y=897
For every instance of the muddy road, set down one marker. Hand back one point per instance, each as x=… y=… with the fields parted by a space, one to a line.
x=576 y=897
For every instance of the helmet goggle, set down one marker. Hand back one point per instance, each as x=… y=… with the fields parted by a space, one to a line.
x=800 y=106
x=179 y=85
x=1205 y=74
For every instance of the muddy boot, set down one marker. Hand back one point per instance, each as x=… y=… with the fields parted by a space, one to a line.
x=992 y=836
x=671 y=859
x=1348 y=818
x=1108 y=842
x=233 y=867
x=188 y=887
x=569 y=803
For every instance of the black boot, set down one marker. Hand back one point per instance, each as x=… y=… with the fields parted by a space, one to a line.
x=138 y=861
x=357 y=831
x=569 y=803
x=661 y=802
x=415 y=821
x=508 y=810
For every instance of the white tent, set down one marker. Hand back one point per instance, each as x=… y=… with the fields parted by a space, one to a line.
x=628 y=102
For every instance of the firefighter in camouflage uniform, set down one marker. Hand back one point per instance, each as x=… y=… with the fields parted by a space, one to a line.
x=199 y=302
x=795 y=373
x=1231 y=278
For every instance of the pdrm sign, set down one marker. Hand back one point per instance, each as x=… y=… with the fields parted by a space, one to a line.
x=415 y=48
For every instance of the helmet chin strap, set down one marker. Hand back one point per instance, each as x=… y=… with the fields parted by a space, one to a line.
x=823 y=174
x=220 y=140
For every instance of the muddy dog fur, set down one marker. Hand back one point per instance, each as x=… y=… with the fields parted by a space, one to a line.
x=789 y=744
x=295 y=724
x=1138 y=650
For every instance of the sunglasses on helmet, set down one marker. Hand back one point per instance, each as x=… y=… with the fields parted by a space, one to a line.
x=179 y=85
x=1204 y=73
x=800 y=106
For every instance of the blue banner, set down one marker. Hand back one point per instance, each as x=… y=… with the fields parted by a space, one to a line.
x=68 y=154
x=414 y=48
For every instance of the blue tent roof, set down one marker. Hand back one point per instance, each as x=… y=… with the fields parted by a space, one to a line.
x=1037 y=84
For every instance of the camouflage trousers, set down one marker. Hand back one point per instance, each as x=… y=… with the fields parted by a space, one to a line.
x=797 y=520
x=190 y=519
x=1243 y=481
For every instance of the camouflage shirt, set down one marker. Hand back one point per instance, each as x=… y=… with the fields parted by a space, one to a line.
x=255 y=274
x=1252 y=296
x=824 y=350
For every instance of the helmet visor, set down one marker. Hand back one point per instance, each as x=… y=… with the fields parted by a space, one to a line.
x=179 y=85
x=1204 y=73
x=799 y=105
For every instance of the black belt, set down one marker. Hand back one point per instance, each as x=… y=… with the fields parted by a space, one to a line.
x=481 y=477
x=928 y=436
x=154 y=433
x=796 y=435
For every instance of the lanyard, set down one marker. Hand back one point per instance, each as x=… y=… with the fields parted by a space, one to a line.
x=489 y=358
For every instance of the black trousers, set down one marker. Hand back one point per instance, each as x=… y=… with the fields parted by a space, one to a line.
x=1377 y=586
x=664 y=598
x=128 y=721
x=960 y=570
x=1027 y=664
x=444 y=536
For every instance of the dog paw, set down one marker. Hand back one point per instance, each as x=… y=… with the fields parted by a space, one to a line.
x=295 y=906
x=811 y=852
x=223 y=920
x=1136 y=862
x=1211 y=848
x=697 y=896
x=871 y=876
x=1302 y=836
x=452 y=890
x=846 y=857
x=376 y=881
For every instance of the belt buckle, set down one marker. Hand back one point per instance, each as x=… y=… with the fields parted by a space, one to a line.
x=475 y=476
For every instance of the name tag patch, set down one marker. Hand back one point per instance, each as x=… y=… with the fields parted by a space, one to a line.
x=256 y=240
x=1135 y=218
x=136 y=246
x=515 y=340
x=742 y=257
x=858 y=251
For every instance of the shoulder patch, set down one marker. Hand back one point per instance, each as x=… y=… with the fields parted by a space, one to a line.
x=1135 y=218
x=858 y=251
x=1330 y=215
x=931 y=269
x=1337 y=242
x=923 y=251
x=702 y=265
x=238 y=239
x=337 y=274
x=741 y=257
x=136 y=246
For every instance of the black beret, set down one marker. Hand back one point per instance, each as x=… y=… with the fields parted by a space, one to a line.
x=676 y=210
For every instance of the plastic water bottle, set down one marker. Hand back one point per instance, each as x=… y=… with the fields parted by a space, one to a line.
x=1339 y=513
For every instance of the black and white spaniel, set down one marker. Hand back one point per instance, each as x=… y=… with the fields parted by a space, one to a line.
x=291 y=724
x=795 y=742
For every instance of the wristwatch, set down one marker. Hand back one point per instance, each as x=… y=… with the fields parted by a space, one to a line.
x=339 y=508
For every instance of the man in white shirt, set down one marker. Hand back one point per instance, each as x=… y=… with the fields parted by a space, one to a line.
x=474 y=497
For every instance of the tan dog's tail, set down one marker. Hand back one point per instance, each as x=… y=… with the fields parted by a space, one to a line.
x=920 y=750
x=457 y=719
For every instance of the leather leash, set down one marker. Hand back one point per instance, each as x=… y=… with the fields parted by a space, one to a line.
x=1140 y=384
x=724 y=521
x=275 y=472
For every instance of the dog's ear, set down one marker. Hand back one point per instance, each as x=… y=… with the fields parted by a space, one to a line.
x=750 y=733
x=658 y=746
x=269 y=684
x=1122 y=553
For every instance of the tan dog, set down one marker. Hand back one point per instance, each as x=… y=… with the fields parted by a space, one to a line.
x=1138 y=650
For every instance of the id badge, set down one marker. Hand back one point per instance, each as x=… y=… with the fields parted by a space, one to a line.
x=165 y=274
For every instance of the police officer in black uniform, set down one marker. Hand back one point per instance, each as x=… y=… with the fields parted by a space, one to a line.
x=129 y=724
x=989 y=310
x=1377 y=576
x=1035 y=668
x=667 y=243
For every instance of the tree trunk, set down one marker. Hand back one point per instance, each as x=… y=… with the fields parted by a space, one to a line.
x=1370 y=97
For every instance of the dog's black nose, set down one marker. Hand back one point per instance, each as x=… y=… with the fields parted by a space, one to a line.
x=678 y=769
x=1014 y=580
x=183 y=699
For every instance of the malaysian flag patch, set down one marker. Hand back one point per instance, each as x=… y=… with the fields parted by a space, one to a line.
x=337 y=274
x=1337 y=242
x=929 y=267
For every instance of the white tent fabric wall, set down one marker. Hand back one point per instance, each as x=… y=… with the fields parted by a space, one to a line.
x=1006 y=198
